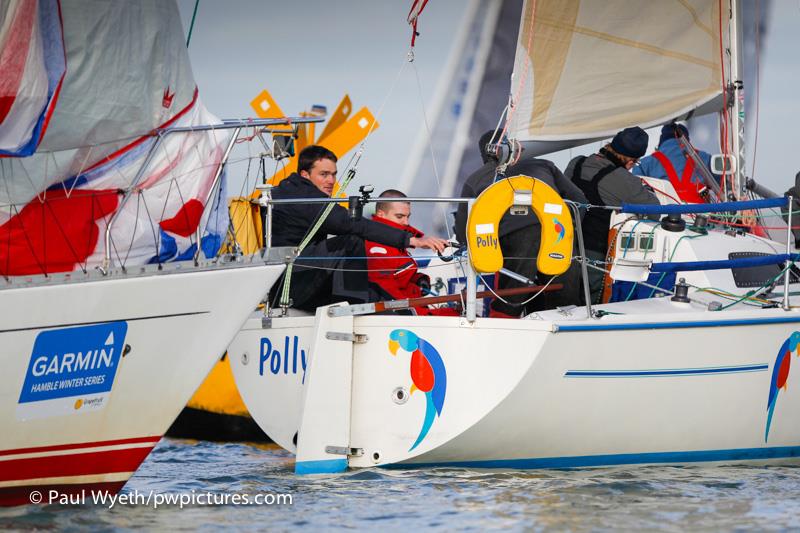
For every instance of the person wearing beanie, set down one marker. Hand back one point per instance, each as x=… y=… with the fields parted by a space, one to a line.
x=605 y=179
x=671 y=162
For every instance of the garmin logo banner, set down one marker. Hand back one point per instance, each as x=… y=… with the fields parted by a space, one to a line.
x=71 y=370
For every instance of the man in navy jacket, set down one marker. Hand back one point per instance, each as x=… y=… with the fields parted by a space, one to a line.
x=329 y=269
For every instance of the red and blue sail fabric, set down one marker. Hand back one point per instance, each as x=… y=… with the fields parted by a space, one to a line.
x=32 y=63
x=77 y=133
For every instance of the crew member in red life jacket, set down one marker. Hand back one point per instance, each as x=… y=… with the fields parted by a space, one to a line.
x=392 y=270
x=671 y=162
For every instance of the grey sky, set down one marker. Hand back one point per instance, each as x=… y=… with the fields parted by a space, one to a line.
x=307 y=52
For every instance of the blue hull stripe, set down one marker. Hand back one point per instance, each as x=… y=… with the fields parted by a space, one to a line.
x=703 y=456
x=679 y=325
x=666 y=372
x=325 y=466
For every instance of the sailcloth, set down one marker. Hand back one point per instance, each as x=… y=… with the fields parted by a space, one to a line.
x=84 y=86
x=584 y=69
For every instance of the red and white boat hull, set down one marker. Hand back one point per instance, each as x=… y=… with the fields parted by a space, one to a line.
x=94 y=372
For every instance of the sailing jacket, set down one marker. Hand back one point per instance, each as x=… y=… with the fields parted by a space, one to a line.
x=540 y=169
x=605 y=183
x=652 y=167
x=291 y=222
x=395 y=271
x=671 y=163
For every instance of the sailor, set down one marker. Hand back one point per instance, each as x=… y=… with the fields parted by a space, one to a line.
x=329 y=269
x=671 y=162
x=520 y=235
x=605 y=179
x=392 y=270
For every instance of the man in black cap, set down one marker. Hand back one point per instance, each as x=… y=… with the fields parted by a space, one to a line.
x=520 y=235
x=605 y=179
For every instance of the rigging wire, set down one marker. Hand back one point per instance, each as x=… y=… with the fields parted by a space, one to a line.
x=350 y=173
x=191 y=26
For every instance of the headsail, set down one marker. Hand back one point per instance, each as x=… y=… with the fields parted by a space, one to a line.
x=32 y=62
x=585 y=69
x=127 y=74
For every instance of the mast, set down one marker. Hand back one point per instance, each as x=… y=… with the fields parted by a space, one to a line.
x=737 y=95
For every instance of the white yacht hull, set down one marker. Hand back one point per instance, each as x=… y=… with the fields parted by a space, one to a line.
x=662 y=384
x=94 y=372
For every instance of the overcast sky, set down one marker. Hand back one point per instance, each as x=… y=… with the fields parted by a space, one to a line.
x=309 y=52
x=314 y=51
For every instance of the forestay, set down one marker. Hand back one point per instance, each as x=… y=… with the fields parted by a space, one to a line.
x=584 y=69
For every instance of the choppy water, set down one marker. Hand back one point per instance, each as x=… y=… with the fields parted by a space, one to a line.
x=651 y=498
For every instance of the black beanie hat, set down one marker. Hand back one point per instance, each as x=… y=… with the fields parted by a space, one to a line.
x=669 y=131
x=631 y=142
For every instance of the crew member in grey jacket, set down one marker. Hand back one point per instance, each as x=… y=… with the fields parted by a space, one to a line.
x=605 y=179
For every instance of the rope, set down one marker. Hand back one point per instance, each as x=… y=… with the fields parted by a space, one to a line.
x=413 y=18
x=755 y=292
x=191 y=26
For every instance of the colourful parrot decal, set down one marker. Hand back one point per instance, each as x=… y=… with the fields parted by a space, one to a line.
x=427 y=374
x=780 y=374
x=559 y=227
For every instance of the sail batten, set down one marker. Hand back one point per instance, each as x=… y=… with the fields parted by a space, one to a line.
x=585 y=69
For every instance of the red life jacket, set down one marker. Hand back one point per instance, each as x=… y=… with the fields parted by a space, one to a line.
x=687 y=190
x=395 y=271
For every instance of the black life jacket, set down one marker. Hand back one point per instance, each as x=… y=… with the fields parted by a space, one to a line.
x=596 y=222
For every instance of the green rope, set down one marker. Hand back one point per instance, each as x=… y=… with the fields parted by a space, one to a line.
x=191 y=26
x=750 y=294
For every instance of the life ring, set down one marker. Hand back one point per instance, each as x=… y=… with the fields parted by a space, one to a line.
x=555 y=251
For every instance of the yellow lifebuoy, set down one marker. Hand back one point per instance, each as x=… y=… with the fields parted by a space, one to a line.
x=555 y=251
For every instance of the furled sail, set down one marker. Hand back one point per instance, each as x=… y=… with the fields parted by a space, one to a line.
x=584 y=69
x=89 y=83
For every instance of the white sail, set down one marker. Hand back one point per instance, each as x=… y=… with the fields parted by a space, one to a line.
x=585 y=69
x=78 y=107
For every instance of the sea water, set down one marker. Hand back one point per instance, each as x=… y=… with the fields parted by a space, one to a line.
x=665 y=498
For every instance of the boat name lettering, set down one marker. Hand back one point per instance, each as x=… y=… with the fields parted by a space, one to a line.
x=286 y=362
x=486 y=242
x=73 y=362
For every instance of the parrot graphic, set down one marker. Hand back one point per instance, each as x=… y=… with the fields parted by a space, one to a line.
x=428 y=375
x=780 y=374
x=559 y=227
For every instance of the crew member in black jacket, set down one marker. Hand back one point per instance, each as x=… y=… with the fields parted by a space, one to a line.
x=520 y=234
x=329 y=269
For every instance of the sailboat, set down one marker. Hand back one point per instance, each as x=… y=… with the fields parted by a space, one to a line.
x=113 y=305
x=695 y=371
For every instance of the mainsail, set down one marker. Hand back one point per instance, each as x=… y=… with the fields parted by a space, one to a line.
x=85 y=85
x=584 y=69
